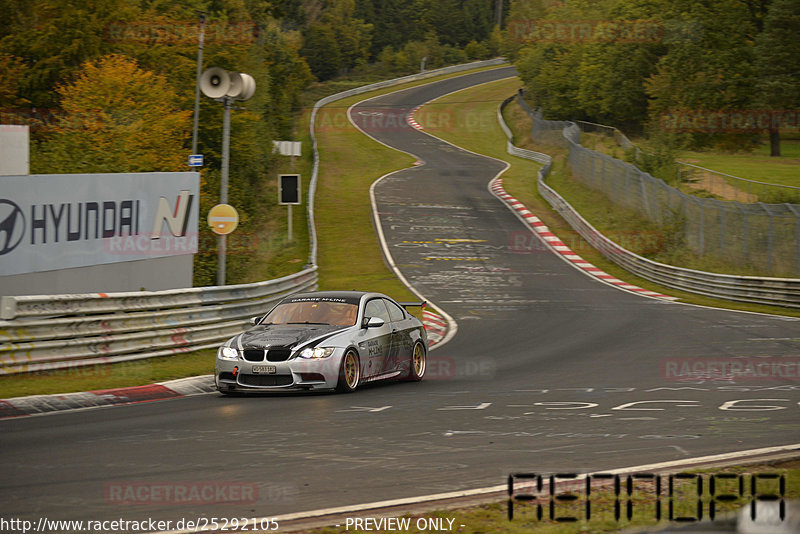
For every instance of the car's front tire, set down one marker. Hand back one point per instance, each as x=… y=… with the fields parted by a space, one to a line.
x=349 y=372
x=419 y=362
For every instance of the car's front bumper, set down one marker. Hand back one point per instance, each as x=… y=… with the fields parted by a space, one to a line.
x=294 y=374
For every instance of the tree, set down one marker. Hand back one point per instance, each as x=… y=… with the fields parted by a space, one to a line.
x=707 y=67
x=354 y=36
x=611 y=73
x=117 y=118
x=777 y=59
x=12 y=72
x=54 y=37
x=548 y=71
x=395 y=22
x=321 y=51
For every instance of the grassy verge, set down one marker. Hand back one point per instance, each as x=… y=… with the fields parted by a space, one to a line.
x=494 y=517
x=349 y=253
x=473 y=110
x=757 y=165
x=118 y=375
x=350 y=256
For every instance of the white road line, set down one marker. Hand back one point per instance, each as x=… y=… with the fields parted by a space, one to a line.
x=503 y=488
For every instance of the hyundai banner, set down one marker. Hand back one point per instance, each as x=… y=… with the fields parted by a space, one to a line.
x=59 y=221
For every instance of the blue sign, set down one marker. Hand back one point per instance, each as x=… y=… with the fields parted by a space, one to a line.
x=196 y=160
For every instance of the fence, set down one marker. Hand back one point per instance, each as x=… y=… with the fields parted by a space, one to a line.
x=761 y=290
x=703 y=181
x=730 y=187
x=764 y=238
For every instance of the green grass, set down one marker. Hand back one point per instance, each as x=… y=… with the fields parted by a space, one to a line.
x=493 y=518
x=757 y=165
x=471 y=109
x=350 y=163
x=108 y=376
x=349 y=253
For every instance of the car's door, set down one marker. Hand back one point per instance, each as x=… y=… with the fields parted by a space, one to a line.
x=377 y=345
x=401 y=346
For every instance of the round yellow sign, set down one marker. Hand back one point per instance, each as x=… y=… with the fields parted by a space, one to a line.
x=223 y=219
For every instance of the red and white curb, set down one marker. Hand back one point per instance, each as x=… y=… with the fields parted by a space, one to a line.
x=413 y=121
x=43 y=404
x=435 y=326
x=558 y=246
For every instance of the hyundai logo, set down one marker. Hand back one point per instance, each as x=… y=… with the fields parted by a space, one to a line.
x=12 y=226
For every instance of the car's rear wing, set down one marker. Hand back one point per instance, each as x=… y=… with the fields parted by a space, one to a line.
x=407 y=305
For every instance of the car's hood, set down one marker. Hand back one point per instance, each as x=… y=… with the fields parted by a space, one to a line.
x=260 y=337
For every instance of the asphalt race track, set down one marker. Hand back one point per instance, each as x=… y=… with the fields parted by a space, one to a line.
x=550 y=371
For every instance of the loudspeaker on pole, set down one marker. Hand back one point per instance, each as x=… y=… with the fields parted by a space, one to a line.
x=215 y=82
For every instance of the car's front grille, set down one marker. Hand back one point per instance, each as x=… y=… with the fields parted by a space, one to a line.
x=254 y=355
x=278 y=355
x=265 y=380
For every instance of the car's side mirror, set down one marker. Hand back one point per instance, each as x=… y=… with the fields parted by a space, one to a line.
x=255 y=320
x=374 y=322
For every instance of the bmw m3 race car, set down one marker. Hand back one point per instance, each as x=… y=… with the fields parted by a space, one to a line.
x=324 y=340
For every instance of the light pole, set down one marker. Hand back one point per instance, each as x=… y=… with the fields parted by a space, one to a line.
x=200 y=43
x=225 y=87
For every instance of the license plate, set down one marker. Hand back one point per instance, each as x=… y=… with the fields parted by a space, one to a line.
x=265 y=369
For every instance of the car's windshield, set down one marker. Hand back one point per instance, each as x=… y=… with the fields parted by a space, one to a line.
x=313 y=312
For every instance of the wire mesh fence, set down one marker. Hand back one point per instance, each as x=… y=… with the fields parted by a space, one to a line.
x=729 y=187
x=761 y=237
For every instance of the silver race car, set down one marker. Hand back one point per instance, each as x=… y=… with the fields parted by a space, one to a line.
x=324 y=340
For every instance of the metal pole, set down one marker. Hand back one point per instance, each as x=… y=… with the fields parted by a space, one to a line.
x=223 y=186
x=290 y=222
x=200 y=42
x=289 y=210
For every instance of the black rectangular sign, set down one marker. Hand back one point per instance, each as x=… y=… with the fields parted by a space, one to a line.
x=288 y=189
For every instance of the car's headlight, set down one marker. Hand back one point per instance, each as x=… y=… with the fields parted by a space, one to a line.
x=228 y=353
x=317 y=352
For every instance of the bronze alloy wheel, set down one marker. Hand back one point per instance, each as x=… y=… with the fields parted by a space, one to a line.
x=350 y=372
x=418 y=362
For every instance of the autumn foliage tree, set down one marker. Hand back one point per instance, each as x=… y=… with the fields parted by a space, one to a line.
x=116 y=117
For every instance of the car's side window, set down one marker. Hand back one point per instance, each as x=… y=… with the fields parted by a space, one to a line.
x=376 y=308
x=395 y=312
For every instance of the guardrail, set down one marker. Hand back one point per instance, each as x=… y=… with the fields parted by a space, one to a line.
x=46 y=332
x=760 y=290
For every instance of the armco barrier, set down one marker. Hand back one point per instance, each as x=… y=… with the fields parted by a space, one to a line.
x=760 y=290
x=44 y=332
